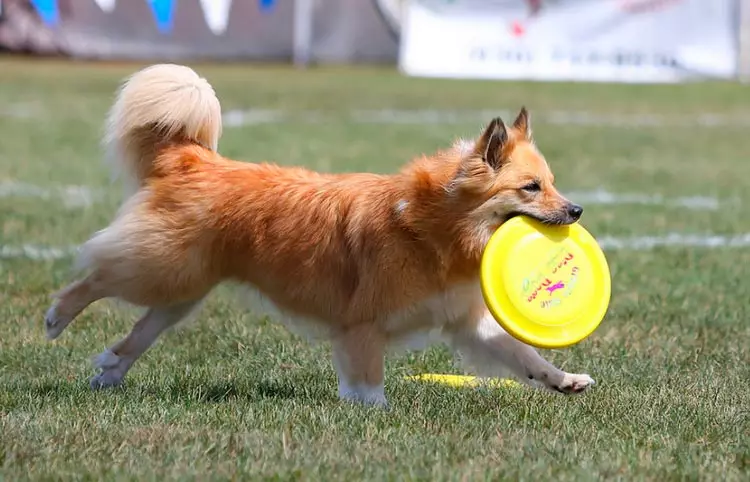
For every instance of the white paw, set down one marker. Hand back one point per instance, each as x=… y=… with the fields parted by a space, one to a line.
x=575 y=383
x=113 y=369
x=106 y=359
x=106 y=379
x=54 y=323
x=373 y=396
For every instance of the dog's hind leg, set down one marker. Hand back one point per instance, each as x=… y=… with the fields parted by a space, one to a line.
x=116 y=360
x=71 y=301
x=487 y=348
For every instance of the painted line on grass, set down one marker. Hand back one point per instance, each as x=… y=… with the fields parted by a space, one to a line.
x=19 y=111
x=36 y=252
x=642 y=243
x=240 y=118
x=601 y=196
x=246 y=117
x=610 y=243
x=71 y=196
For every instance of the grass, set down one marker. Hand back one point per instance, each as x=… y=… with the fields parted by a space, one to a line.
x=234 y=395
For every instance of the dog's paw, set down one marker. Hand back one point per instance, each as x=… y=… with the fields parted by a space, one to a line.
x=54 y=322
x=106 y=379
x=574 y=383
x=113 y=369
x=368 y=396
x=377 y=402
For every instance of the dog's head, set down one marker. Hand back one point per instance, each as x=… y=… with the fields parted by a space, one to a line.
x=502 y=174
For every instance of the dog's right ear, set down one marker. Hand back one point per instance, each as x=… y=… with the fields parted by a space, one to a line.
x=493 y=145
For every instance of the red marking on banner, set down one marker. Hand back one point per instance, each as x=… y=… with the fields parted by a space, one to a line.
x=517 y=29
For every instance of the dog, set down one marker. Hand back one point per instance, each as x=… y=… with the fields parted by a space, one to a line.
x=369 y=259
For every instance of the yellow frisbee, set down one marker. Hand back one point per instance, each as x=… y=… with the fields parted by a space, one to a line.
x=463 y=380
x=548 y=286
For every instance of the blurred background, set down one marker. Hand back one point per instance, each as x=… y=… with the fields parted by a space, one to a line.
x=591 y=40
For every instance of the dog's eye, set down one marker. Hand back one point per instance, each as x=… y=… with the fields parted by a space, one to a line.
x=532 y=187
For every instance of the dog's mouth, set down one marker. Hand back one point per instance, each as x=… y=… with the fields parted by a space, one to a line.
x=552 y=220
x=507 y=217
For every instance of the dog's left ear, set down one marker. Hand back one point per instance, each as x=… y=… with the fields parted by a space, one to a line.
x=493 y=145
x=523 y=123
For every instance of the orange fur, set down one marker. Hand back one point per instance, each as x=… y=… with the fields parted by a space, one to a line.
x=371 y=258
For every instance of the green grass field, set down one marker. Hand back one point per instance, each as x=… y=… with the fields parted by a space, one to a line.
x=235 y=396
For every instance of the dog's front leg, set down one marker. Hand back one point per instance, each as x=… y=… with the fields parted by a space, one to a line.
x=359 y=358
x=487 y=348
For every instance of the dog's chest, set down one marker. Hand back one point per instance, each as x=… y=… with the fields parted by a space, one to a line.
x=444 y=308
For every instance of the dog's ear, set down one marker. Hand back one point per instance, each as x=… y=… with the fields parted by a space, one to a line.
x=523 y=123
x=493 y=144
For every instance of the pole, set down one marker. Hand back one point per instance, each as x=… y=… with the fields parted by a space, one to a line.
x=743 y=61
x=303 y=26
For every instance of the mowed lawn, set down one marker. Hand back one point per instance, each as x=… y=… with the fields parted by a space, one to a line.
x=234 y=395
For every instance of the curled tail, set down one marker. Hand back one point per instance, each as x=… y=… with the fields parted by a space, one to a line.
x=160 y=105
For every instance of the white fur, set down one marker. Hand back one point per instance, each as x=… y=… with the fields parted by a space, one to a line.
x=425 y=319
x=309 y=328
x=449 y=306
x=176 y=99
x=401 y=206
x=368 y=395
x=113 y=369
x=358 y=392
x=476 y=352
x=464 y=146
x=491 y=351
x=54 y=323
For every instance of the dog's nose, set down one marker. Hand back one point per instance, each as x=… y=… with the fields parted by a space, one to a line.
x=575 y=211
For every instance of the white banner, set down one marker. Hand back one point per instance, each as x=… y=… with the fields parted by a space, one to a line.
x=584 y=40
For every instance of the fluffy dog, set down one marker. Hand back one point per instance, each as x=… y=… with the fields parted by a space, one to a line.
x=369 y=259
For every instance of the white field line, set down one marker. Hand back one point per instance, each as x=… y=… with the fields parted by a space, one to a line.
x=609 y=243
x=642 y=243
x=600 y=196
x=19 y=111
x=71 y=196
x=243 y=117
x=239 y=118
x=36 y=252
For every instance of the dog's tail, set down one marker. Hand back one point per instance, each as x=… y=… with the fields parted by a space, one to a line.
x=161 y=105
